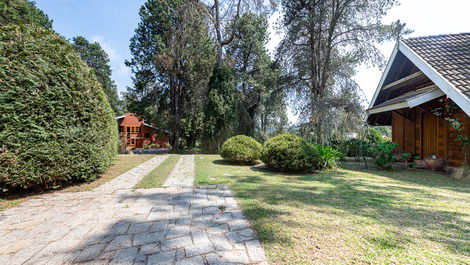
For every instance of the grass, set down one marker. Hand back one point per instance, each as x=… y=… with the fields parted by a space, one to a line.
x=157 y=177
x=350 y=215
x=122 y=164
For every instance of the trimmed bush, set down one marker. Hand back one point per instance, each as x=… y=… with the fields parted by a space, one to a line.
x=56 y=125
x=287 y=152
x=241 y=148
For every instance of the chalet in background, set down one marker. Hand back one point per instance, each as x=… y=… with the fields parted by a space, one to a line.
x=139 y=134
x=422 y=75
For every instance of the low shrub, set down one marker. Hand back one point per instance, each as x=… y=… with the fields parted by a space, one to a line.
x=241 y=148
x=154 y=146
x=355 y=148
x=328 y=157
x=56 y=125
x=384 y=155
x=287 y=152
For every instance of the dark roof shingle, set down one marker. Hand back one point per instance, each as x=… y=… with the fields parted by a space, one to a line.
x=449 y=55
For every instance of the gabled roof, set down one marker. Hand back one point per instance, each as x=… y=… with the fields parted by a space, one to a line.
x=444 y=59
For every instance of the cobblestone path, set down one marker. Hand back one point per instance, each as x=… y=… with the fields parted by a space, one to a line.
x=113 y=224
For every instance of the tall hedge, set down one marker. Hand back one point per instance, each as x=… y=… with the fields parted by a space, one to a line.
x=56 y=124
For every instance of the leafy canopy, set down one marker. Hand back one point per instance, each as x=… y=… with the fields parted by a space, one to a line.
x=22 y=12
x=96 y=58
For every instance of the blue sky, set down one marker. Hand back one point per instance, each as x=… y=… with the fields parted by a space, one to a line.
x=110 y=22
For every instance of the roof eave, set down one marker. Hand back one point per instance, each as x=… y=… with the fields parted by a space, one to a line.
x=384 y=75
x=452 y=92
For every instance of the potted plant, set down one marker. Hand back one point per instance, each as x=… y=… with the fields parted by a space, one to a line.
x=434 y=163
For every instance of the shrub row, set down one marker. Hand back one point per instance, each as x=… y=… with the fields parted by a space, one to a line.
x=56 y=124
x=285 y=152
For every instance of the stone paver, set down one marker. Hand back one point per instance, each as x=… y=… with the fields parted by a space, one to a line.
x=113 y=224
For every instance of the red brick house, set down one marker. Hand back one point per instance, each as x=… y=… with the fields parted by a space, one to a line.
x=137 y=133
x=422 y=74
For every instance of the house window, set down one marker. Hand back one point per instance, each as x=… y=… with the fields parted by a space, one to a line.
x=128 y=129
x=132 y=141
x=147 y=135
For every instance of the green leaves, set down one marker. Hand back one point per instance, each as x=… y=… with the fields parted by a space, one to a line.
x=22 y=12
x=96 y=58
x=287 y=152
x=242 y=149
x=56 y=124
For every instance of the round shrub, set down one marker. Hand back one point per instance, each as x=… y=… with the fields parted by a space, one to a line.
x=241 y=148
x=287 y=152
x=56 y=124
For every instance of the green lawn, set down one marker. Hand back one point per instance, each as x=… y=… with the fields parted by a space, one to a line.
x=350 y=216
x=157 y=176
x=122 y=164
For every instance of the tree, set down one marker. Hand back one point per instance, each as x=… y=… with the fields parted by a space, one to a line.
x=224 y=16
x=324 y=41
x=260 y=98
x=96 y=58
x=172 y=60
x=220 y=109
x=22 y=12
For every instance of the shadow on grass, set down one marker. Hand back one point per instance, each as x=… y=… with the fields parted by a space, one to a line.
x=233 y=163
x=339 y=193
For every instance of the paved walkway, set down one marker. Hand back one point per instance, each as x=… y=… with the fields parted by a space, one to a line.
x=113 y=224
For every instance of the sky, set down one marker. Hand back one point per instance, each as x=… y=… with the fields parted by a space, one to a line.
x=112 y=24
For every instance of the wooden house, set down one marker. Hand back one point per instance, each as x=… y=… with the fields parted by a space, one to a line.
x=424 y=76
x=138 y=134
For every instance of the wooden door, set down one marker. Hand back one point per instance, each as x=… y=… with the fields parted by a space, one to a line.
x=429 y=139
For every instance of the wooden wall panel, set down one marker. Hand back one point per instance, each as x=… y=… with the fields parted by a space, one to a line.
x=418 y=149
x=442 y=132
x=429 y=134
x=397 y=132
x=409 y=136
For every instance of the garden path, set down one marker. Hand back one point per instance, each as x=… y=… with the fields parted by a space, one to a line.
x=114 y=224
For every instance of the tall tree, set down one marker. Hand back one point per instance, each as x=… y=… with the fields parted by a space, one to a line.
x=224 y=15
x=324 y=41
x=23 y=12
x=173 y=57
x=96 y=58
x=260 y=98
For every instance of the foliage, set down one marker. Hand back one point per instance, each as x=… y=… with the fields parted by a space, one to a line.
x=328 y=157
x=384 y=155
x=374 y=136
x=241 y=148
x=96 y=58
x=386 y=131
x=450 y=113
x=122 y=144
x=288 y=152
x=261 y=109
x=407 y=157
x=355 y=148
x=324 y=42
x=22 y=12
x=56 y=124
x=220 y=108
x=173 y=57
